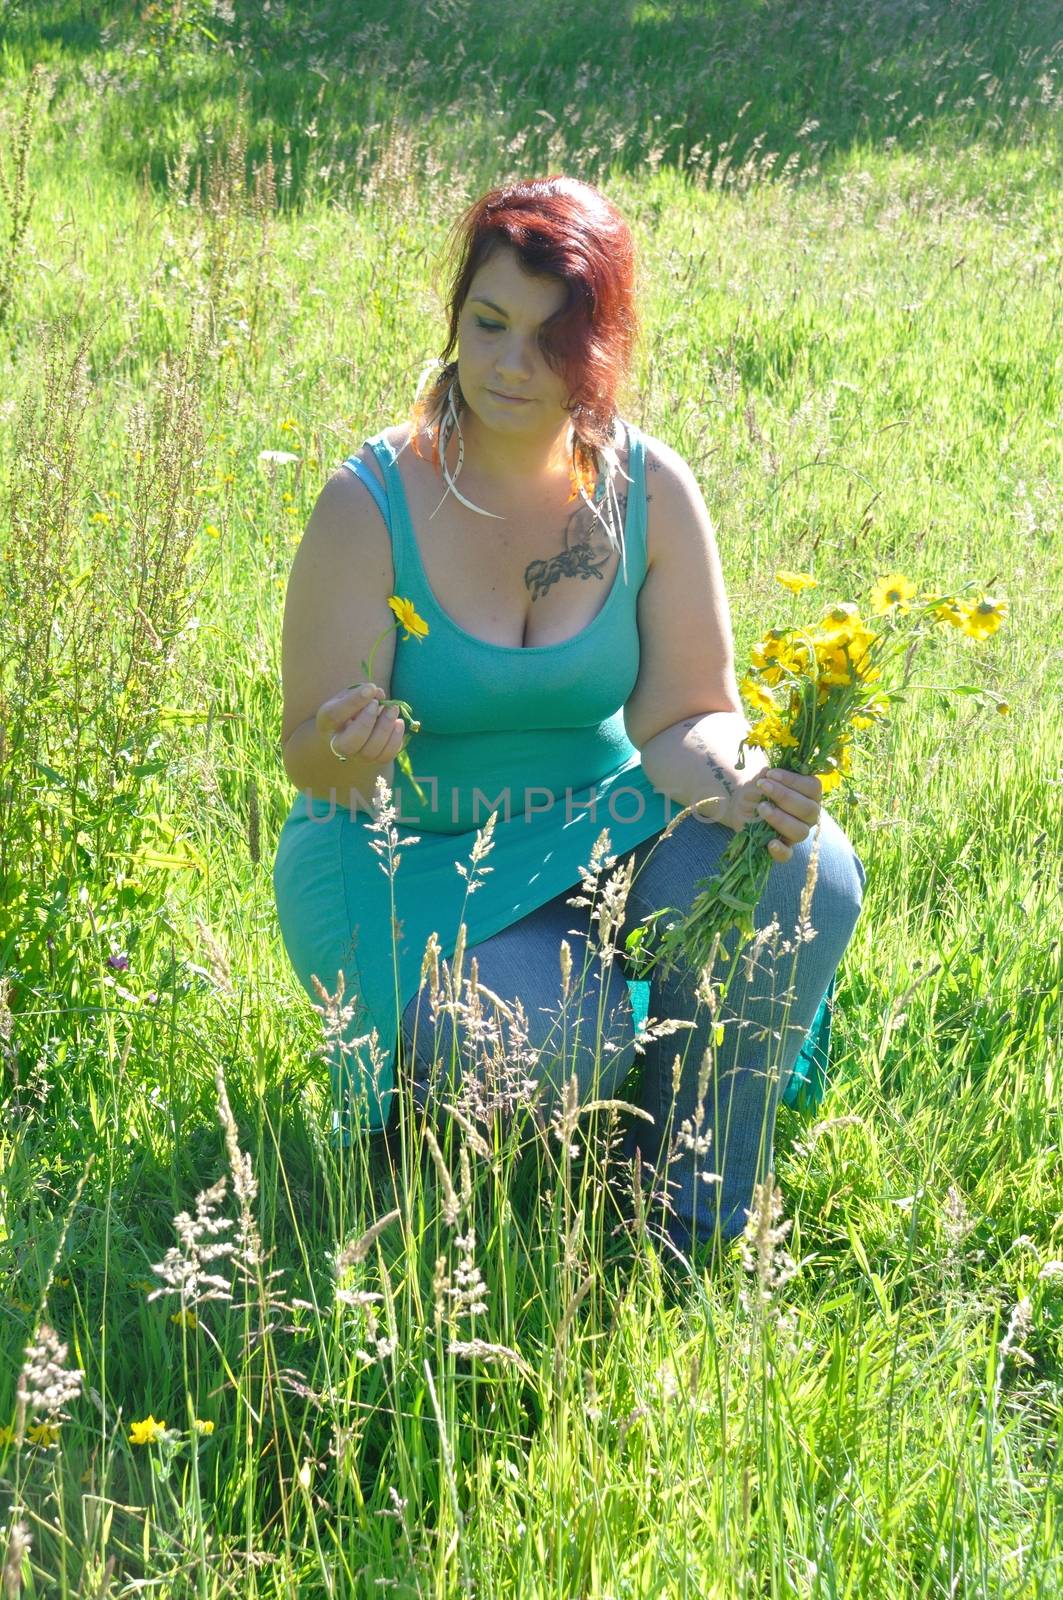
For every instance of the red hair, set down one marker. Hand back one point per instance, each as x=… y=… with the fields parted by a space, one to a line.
x=565 y=228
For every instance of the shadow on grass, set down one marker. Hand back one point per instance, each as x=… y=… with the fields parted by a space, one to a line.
x=533 y=85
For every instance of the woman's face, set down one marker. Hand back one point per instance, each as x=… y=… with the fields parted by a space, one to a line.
x=498 y=348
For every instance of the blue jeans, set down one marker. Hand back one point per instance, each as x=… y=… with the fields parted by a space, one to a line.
x=774 y=993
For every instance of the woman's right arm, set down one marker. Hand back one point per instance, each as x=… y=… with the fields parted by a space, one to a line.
x=334 y=611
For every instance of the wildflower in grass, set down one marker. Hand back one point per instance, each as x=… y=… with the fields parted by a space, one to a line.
x=119 y=962
x=946 y=609
x=985 y=617
x=212 y=531
x=146 y=1432
x=893 y=592
x=43 y=1433
x=201 y=1426
x=185 y=1319
x=7 y=1434
x=796 y=582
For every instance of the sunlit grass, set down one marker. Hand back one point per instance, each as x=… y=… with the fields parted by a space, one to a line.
x=860 y=364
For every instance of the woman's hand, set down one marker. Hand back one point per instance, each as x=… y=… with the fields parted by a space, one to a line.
x=788 y=801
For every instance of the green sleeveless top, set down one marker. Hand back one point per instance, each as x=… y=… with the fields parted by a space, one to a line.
x=535 y=734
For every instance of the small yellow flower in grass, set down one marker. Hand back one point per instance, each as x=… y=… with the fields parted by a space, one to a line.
x=7 y=1434
x=202 y=1426
x=407 y=615
x=185 y=1319
x=44 y=1433
x=1003 y=707
x=211 y=531
x=985 y=617
x=796 y=582
x=892 y=593
x=100 y=516
x=146 y=1432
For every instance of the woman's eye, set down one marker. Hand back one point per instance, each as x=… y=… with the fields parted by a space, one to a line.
x=489 y=327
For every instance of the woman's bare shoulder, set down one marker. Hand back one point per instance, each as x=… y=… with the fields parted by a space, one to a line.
x=661 y=458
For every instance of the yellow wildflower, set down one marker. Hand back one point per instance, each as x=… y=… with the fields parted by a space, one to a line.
x=43 y=1433
x=407 y=615
x=1003 y=707
x=146 y=1432
x=985 y=617
x=185 y=1319
x=796 y=582
x=892 y=593
x=771 y=733
x=834 y=666
x=7 y=1434
x=203 y=1427
x=947 y=609
x=756 y=694
x=841 y=621
x=211 y=531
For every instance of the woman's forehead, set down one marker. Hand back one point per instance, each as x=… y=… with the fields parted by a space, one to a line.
x=511 y=288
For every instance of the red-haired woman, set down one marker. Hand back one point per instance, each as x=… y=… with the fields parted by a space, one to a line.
x=576 y=675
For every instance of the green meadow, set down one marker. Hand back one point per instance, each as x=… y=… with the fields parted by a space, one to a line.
x=239 y=1360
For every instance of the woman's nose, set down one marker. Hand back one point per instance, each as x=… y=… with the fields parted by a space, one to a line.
x=515 y=359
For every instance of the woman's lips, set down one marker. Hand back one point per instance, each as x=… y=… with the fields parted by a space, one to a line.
x=511 y=399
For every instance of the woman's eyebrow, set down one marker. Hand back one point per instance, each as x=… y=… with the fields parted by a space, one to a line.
x=479 y=300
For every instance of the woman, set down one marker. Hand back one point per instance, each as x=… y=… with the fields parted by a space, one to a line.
x=576 y=672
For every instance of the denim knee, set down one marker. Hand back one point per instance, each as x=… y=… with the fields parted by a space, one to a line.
x=838 y=895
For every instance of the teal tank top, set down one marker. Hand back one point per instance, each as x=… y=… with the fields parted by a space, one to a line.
x=534 y=734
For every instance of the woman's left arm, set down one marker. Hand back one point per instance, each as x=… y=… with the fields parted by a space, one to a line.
x=685 y=713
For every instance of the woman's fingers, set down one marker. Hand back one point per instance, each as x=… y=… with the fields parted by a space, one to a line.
x=797 y=802
x=791 y=828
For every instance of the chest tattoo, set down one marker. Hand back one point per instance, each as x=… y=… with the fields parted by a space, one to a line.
x=580 y=559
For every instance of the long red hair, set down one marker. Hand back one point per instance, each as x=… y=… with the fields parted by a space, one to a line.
x=567 y=228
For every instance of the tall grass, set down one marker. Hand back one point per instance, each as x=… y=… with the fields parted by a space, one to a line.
x=470 y=1372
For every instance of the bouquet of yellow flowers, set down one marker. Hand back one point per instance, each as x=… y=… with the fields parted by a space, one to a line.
x=811 y=689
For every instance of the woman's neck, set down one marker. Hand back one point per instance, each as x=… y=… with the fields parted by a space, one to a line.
x=509 y=464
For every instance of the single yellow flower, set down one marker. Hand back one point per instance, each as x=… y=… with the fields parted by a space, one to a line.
x=146 y=1432
x=407 y=615
x=757 y=695
x=796 y=582
x=829 y=780
x=185 y=1319
x=212 y=531
x=841 y=621
x=892 y=593
x=1003 y=707
x=43 y=1433
x=203 y=1427
x=7 y=1434
x=985 y=617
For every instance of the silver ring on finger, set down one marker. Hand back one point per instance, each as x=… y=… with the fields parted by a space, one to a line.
x=335 y=752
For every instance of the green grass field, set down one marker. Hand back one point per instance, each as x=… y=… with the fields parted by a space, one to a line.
x=219 y=230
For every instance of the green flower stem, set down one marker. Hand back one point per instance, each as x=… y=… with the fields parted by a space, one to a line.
x=722 y=903
x=404 y=709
